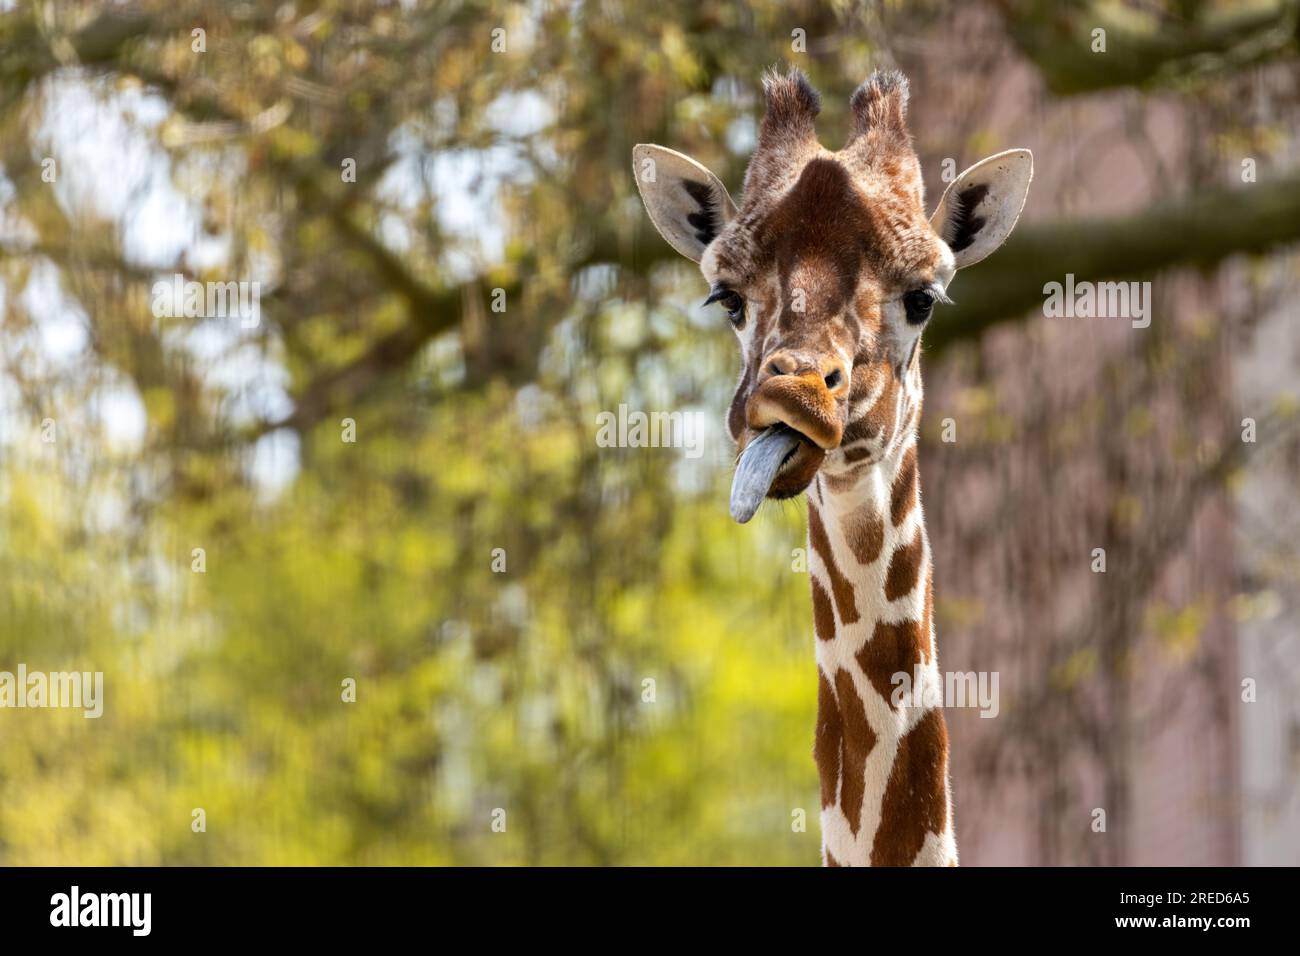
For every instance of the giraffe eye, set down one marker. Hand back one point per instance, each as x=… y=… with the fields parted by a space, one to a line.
x=732 y=302
x=919 y=303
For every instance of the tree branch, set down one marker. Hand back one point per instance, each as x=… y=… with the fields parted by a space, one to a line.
x=1059 y=41
x=437 y=311
x=1201 y=230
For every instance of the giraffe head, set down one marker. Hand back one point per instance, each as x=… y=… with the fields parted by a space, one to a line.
x=828 y=271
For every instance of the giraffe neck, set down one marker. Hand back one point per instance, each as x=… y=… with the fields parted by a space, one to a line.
x=882 y=756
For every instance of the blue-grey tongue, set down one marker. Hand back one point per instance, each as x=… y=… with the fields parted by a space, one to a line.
x=758 y=465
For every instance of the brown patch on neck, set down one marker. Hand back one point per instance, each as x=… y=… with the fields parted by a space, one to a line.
x=903 y=494
x=823 y=616
x=828 y=740
x=865 y=531
x=904 y=568
x=841 y=588
x=846 y=480
x=915 y=801
x=856 y=740
x=893 y=649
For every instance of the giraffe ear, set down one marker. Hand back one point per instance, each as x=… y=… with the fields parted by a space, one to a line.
x=687 y=203
x=980 y=207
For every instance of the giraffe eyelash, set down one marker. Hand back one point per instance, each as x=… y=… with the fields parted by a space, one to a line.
x=719 y=291
x=732 y=301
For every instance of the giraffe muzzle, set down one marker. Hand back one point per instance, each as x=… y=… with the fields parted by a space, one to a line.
x=801 y=401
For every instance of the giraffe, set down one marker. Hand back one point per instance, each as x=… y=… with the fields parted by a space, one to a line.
x=829 y=271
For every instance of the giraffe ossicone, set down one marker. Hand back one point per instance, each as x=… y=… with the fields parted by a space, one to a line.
x=829 y=271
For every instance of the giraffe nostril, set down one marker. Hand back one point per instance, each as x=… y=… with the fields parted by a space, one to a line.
x=833 y=380
x=776 y=369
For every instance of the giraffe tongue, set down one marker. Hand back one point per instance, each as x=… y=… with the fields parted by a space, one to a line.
x=758 y=465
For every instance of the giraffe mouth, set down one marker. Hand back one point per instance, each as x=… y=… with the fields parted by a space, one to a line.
x=759 y=466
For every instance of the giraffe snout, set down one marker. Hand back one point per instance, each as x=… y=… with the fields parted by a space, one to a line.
x=802 y=391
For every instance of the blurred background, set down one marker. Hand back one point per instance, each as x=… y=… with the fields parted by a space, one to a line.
x=394 y=476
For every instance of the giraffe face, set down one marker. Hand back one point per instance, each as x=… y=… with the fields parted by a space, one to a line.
x=828 y=286
x=829 y=272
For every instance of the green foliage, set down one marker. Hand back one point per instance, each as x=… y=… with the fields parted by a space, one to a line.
x=474 y=689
